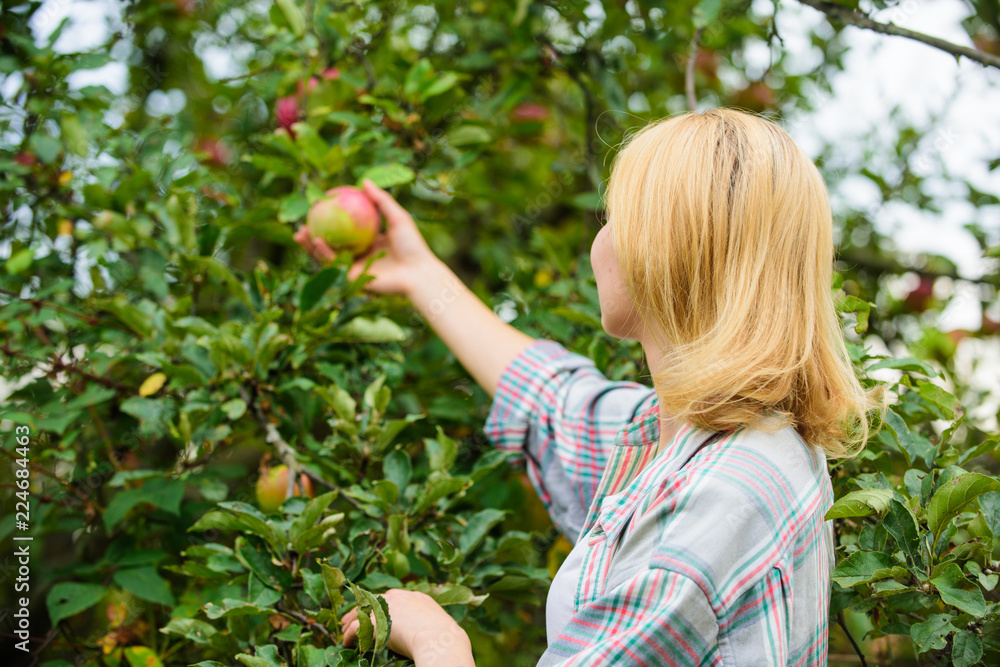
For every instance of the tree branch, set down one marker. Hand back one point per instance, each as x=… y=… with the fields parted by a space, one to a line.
x=860 y=20
x=285 y=451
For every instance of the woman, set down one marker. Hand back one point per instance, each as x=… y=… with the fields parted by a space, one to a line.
x=696 y=506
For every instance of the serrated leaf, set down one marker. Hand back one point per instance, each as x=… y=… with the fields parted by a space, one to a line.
x=296 y=20
x=958 y=591
x=966 y=649
x=70 y=598
x=954 y=494
x=388 y=175
x=145 y=583
x=863 y=567
x=932 y=633
x=904 y=364
x=863 y=502
x=369 y=330
x=314 y=289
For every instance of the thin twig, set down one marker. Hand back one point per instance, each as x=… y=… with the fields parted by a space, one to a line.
x=286 y=452
x=859 y=20
x=857 y=649
x=689 y=74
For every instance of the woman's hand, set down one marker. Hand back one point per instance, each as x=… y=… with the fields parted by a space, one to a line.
x=482 y=341
x=407 y=252
x=420 y=630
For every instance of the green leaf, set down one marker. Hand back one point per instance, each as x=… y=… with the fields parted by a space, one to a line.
x=70 y=598
x=333 y=579
x=448 y=594
x=20 y=261
x=142 y=656
x=376 y=604
x=966 y=649
x=468 y=135
x=477 y=527
x=74 y=136
x=145 y=583
x=947 y=405
x=904 y=364
x=388 y=175
x=296 y=20
x=958 y=591
x=861 y=503
x=397 y=469
x=902 y=525
x=46 y=148
x=238 y=516
x=369 y=330
x=863 y=567
x=706 y=12
x=314 y=289
x=310 y=516
x=231 y=607
x=192 y=629
x=160 y=492
x=441 y=451
x=293 y=207
x=421 y=74
x=953 y=495
x=251 y=551
x=932 y=633
x=235 y=408
x=442 y=83
x=438 y=489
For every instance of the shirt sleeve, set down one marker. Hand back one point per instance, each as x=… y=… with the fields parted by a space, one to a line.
x=657 y=617
x=556 y=410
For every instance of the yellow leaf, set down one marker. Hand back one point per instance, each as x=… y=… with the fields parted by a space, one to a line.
x=65 y=228
x=65 y=177
x=152 y=384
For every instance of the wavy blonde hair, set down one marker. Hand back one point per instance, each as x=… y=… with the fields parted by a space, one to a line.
x=723 y=232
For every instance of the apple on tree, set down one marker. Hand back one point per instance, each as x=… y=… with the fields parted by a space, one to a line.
x=272 y=487
x=345 y=219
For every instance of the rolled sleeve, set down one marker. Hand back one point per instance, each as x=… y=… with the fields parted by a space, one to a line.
x=561 y=416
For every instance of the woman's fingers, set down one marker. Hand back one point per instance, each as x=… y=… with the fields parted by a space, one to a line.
x=390 y=208
x=350 y=624
x=303 y=239
x=322 y=251
x=318 y=248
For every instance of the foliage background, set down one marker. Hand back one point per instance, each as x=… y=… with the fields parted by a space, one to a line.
x=161 y=332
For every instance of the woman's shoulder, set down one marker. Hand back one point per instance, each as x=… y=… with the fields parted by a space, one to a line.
x=774 y=471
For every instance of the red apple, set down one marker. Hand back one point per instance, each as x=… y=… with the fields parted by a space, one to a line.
x=529 y=111
x=920 y=298
x=272 y=488
x=346 y=218
x=286 y=112
x=216 y=152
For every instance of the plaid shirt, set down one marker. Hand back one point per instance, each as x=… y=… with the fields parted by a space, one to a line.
x=711 y=550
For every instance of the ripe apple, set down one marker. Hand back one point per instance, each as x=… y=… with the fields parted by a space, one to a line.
x=346 y=218
x=272 y=488
x=286 y=112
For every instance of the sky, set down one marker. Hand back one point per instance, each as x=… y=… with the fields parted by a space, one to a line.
x=882 y=75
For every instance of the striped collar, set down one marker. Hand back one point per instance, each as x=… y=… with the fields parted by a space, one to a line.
x=637 y=447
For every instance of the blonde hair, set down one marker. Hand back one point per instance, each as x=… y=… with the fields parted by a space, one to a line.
x=723 y=232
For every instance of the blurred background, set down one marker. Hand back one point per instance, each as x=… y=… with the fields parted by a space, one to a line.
x=156 y=157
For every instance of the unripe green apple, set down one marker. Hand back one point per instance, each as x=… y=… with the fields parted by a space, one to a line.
x=345 y=218
x=272 y=488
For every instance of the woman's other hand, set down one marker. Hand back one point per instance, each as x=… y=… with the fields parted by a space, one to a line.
x=421 y=629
